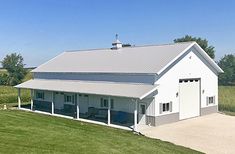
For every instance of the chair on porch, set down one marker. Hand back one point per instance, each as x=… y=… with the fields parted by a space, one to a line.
x=121 y=117
x=91 y=113
x=102 y=114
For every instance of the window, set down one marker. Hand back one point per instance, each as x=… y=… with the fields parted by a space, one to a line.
x=69 y=99
x=142 y=109
x=112 y=104
x=166 y=107
x=39 y=95
x=105 y=104
x=210 y=100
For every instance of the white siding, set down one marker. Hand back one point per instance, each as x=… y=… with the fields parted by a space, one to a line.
x=59 y=100
x=120 y=104
x=150 y=106
x=191 y=66
x=47 y=95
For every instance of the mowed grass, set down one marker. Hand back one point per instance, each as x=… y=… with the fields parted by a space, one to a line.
x=25 y=132
x=227 y=99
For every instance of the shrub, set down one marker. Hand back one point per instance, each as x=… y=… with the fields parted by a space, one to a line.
x=3 y=79
x=9 y=94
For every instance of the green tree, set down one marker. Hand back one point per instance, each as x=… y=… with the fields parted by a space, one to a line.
x=227 y=63
x=210 y=50
x=14 y=65
x=3 y=79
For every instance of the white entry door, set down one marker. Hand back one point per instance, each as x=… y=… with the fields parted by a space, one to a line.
x=189 y=96
x=142 y=113
x=83 y=103
x=59 y=100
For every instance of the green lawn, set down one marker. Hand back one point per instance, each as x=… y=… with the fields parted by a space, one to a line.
x=25 y=132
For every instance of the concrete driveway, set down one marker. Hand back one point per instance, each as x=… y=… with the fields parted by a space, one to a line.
x=214 y=133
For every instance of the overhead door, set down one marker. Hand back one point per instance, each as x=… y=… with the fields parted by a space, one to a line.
x=189 y=97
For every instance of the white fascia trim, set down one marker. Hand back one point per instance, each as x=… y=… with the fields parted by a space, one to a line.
x=186 y=49
x=149 y=92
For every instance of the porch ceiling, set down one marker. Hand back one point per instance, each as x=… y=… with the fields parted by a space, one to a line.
x=139 y=91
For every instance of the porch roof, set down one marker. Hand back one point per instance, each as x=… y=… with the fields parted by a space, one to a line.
x=139 y=91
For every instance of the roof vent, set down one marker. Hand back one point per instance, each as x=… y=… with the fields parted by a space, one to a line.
x=117 y=44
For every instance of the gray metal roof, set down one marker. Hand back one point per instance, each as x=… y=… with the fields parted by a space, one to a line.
x=143 y=59
x=88 y=87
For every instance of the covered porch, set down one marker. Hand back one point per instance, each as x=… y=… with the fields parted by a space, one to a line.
x=105 y=103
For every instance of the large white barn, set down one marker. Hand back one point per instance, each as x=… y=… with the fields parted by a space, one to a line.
x=130 y=86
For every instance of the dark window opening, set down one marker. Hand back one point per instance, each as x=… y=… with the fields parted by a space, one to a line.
x=39 y=95
x=105 y=104
x=142 y=109
x=211 y=100
x=165 y=107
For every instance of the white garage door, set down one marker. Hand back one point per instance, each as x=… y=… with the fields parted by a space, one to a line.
x=189 y=96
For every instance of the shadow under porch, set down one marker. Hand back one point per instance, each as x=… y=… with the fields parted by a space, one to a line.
x=100 y=109
x=95 y=114
x=90 y=107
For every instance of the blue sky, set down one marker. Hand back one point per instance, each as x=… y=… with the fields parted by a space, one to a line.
x=41 y=29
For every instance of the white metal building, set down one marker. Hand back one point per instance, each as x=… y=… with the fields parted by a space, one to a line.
x=131 y=86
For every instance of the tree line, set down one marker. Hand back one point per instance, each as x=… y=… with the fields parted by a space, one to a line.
x=16 y=72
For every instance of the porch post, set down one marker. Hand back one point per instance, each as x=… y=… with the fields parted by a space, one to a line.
x=19 y=99
x=77 y=106
x=52 y=102
x=32 y=95
x=135 y=115
x=109 y=106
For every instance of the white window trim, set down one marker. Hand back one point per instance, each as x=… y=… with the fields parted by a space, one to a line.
x=208 y=102
x=106 y=107
x=66 y=98
x=69 y=102
x=167 y=111
x=170 y=108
